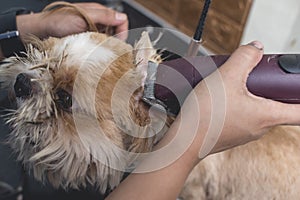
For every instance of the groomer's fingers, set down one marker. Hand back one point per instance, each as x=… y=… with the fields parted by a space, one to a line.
x=102 y=14
x=106 y=16
x=286 y=114
x=111 y=18
x=90 y=5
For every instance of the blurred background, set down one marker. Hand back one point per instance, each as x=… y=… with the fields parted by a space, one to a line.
x=234 y=22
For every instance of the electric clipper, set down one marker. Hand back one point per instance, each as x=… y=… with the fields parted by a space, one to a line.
x=276 y=77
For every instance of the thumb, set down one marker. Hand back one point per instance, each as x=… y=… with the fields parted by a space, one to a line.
x=246 y=56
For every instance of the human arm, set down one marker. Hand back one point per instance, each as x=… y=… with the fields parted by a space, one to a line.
x=61 y=23
x=247 y=118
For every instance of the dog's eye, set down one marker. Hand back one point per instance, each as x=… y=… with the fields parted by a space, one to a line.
x=64 y=100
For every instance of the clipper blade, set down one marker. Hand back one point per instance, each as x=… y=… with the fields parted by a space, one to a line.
x=149 y=90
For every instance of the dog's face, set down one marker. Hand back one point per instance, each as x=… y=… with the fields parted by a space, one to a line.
x=78 y=108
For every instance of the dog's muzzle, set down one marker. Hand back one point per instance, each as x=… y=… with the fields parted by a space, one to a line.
x=23 y=86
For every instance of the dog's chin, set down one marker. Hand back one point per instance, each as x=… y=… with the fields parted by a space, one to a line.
x=47 y=149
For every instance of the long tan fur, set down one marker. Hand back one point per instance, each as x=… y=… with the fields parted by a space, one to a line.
x=75 y=152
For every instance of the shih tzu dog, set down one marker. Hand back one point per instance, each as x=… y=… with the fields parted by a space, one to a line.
x=77 y=99
x=80 y=121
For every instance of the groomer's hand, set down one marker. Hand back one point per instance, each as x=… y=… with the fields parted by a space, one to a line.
x=247 y=117
x=61 y=23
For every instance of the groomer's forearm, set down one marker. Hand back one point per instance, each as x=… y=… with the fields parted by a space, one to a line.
x=167 y=182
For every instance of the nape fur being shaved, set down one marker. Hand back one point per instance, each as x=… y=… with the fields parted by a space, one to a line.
x=80 y=121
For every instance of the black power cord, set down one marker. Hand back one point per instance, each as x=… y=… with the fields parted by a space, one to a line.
x=196 y=41
x=200 y=27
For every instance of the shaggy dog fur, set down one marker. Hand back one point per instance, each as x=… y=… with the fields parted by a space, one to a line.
x=67 y=126
x=79 y=114
x=264 y=169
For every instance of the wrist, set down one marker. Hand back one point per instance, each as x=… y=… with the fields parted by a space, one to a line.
x=29 y=24
x=11 y=44
x=195 y=119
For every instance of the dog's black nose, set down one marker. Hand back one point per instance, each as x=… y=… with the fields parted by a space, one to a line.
x=23 y=87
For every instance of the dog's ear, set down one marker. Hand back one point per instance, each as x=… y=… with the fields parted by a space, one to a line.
x=144 y=51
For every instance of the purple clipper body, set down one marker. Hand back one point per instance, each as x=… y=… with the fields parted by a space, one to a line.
x=276 y=77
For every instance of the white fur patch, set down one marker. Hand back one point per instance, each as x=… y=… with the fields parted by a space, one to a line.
x=81 y=49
